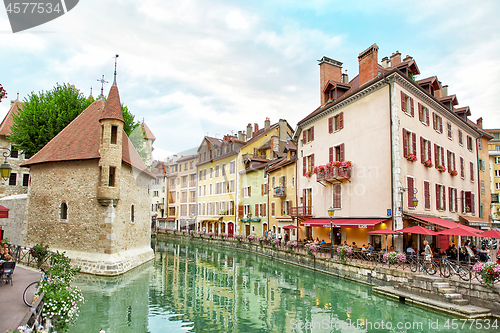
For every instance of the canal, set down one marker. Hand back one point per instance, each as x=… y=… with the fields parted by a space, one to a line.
x=195 y=288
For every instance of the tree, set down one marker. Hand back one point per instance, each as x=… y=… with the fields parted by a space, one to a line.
x=45 y=114
x=137 y=139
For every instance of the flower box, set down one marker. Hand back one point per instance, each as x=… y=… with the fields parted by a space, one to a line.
x=453 y=173
x=411 y=157
x=428 y=163
x=441 y=168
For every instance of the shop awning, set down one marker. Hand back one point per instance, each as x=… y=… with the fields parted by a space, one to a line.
x=361 y=223
x=474 y=221
x=211 y=219
x=447 y=224
x=4 y=212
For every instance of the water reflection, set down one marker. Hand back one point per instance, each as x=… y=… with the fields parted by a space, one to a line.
x=201 y=289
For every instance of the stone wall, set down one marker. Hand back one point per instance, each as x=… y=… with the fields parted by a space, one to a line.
x=14 y=226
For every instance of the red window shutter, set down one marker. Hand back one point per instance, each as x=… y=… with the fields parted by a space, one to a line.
x=341 y=120
x=427 y=195
x=403 y=102
x=448 y=158
x=471 y=171
x=437 y=196
x=330 y=154
x=412 y=108
x=436 y=155
x=410 y=182
x=453 y=161
x=472 y=204
x=405 y=143
x=462 y=200
x=444 y=197
x=414 y=144
x=282 y=203
x=240 y=210
x=330 y=125
x=422 y=150
x=257 y=210
x=456 y=199
x=440 y=125
x=312 y=162
x=304 y=165
x=468 y=200
x=420 y=115
x=450 y=198
x=264 y=210
x=249 y=191
x=341 y=151
x=312 y=133
x=304 y=137
x=262 y=189
x=462 y=171
x=273 y=208
x=429 y=155
x=442 y=155
x=427 y=117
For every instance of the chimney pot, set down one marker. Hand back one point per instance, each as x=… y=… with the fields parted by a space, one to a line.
x=385 y=62
x=256 y=126
x=479 y=122
x=267 y=124
x=395 y=59
x=329 y=69
x=249 y=131
x=368 y=64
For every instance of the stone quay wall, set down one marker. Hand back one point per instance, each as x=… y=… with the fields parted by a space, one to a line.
x=363 y=272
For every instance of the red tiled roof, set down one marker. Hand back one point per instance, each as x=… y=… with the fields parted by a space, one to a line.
x=147 y=132
x=113 y=108
x=7 y=121
x=80 y=140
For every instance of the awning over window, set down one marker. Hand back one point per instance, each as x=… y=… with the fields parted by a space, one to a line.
x=447 y=224
x=211 y=219
x=473 y=221
x=4 y=212
x=361 y=223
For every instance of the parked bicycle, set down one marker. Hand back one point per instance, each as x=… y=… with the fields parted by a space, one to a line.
x=32 y=291
x=417 y=264
x=448 y=267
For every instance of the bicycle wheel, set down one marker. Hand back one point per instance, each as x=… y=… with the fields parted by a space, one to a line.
x=30 y=294
x=413 y=265
x=431 y=268
x=463 y=272
x=445 y=270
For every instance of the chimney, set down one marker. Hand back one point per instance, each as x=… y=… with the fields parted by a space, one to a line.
x=368 y=64
x=385 y=62
x=267 y=124
x=249 y=131
x=407 y=58
x=283 y=127
x=444 y=91
x=345 y=77
x=241 y=137
x=479 y=122
x=395 y=59
x=329 y=69
x=256 y=127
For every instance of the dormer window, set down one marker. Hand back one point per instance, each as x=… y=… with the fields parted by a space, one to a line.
x=114 y=133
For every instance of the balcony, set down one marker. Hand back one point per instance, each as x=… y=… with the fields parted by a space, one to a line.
x=335 y=173
x=250 y=156
x=279 y=192
x=304 y=211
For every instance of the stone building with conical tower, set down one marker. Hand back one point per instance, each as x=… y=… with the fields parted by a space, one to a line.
x=89 y=193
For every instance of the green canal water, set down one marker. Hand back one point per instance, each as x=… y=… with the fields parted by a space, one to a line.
x=195 y=288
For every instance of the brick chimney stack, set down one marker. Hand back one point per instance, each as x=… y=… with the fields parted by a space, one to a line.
x=368 y=64
x=395 y=59
x=256 y=127
x=267 y=124
x=329 y=69
x=249 y=131
x=479 y=122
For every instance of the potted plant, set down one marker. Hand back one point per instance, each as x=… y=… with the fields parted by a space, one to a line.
x=250 y=238
x=39 y=252
x=311 y=248
x=291 y=245
x=441 y=168
x=343 y=251
x=393 y=257
x=428 y=163
x=211 y=235
x=453 y=173
x=239 y=238
x=489 y=271
x=224 y=235
x=262 y=239
x=411 y=157
x=275 y=242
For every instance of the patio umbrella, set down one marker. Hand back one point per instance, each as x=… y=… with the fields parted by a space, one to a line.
x=418 y=230
x=459 y=231
x=490 y=234
x=291 y=226
x=385 y=232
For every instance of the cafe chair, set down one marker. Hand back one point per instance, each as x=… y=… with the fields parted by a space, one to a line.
x=7 y=271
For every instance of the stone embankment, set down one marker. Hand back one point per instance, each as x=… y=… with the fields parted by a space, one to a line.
x=451 y=295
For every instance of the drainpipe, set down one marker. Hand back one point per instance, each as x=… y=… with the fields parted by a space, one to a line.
x=393 y=203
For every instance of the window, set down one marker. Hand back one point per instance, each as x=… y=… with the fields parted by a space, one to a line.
x=231 y=167
x=155 y=194
x=450 y=131
x=14 y=152
x=337 y=195
x=263 y=189
x=425 y=150
x=497 y=147
x=231 y=186
x=497 y=160
x=285 y=208
x=13 y=179
x=497 y=173
x=200 y=175
x=427 y=195
x=307 y=164
x=479 y=144
x=469 y=143
x=472 y=172
x=191 y=165
x=230 y=207
x=63 y=211
x=437 y=122
x=407 y=104
x=217 y=170
x=211 y=172
x=308 y=135
x=440 y=197
x=462 y=168
x=223 y=170
x=210 y=189
x=451 y=161
x=469 y=202
x=204 y=174
x=114 y=134
x=336 y=123
x=292 y=184
x=482 y=187
x=409 y=143
x=132 y=214
x=482 y=165
x=452 y=197
x=438 y=155
x=336 y=153
x=497 y=186
x=26 y=179
x=247 y=191
x=246 y=210
x=423 y=114
x=460 y=138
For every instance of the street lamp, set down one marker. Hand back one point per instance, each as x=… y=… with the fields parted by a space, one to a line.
x=5 y=168
x=331 y=211
x=414 y=201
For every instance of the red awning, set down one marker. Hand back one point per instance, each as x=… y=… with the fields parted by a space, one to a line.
x=4 y=212
x=443 y=223
x=361 y=223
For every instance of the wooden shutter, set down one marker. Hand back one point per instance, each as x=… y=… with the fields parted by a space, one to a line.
x=450 y=198
x=472 y=204
x=410 y=182
x=341 y=120
x=429 y=154
x=282 y=203
x=448 y=156
x=330 y=154
x=420 y=115
x=273 y=208
x=444 y=197
x=262 y=189
x=304 y=137
x=249 y=191
x=471 y=171
x=240 y=210
x=456 y=199
x=412 y=108
x=341 y=151
x=304 y=165
x=453 y=161
x=422 y=150
x=462 y=171
x=330 y=125
x=264 y=209
x=312 y=133
x=403 y=102
x=434 y=120
x=312 y=162
x=405 y=143
x=257 y=210
x=436 y=155
x=442 y=155
x=426 y=116
x=440 y=125
x=427 y=195
x=414 y=143
x=437 y=197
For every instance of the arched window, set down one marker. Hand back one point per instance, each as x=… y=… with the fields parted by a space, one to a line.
x=132 y=214
x=63 y=211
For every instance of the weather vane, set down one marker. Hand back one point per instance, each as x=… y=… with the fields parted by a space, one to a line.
x=102 y=86
x=114 y=82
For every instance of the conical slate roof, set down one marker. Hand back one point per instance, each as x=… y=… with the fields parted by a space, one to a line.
x=113 y=108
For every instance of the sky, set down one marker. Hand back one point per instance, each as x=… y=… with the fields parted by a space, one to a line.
x=193 y=68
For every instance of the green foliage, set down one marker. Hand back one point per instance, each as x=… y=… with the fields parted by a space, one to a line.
x=128 y=117
x=5 y=241
x=40 y=252
x=137 y=139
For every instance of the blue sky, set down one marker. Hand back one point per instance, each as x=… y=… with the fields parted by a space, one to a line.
x=192 y=68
